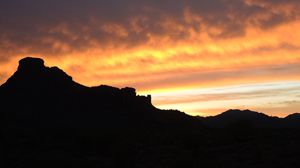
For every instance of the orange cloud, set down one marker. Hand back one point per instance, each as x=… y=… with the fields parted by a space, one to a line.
x=157 y=46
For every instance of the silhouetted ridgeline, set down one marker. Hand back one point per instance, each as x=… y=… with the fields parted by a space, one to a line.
x=48 y=97
x=48 y=120
x=241 y=119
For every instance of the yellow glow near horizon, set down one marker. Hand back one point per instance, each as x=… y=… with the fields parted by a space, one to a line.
x=163 y=64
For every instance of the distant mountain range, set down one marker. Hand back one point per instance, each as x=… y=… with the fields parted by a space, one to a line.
x=235 y=118
x=48 y=97
x=47 y=120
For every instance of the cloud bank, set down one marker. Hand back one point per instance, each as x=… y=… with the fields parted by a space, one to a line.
x=62 y=27
x=156 y=45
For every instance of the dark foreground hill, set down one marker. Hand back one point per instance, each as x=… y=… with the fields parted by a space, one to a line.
x=48 y=120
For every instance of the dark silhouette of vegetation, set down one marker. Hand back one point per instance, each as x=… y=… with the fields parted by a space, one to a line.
x=48 y=120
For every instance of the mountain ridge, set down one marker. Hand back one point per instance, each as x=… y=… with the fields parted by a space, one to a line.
x=34 y=87
x=32 y=73
x=48 y=120
x=33 y=77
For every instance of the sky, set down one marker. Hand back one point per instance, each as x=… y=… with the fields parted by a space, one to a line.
x=202 y=57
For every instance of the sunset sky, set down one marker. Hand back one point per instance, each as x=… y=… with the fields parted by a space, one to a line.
x=199 y=56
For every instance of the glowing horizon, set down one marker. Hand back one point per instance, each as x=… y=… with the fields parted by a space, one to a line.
x=169 y=49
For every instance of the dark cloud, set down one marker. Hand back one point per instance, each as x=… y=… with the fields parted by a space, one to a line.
x=58 y=27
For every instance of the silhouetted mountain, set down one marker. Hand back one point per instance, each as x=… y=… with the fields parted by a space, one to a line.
x=292 y=120
x=49 y=97
x=33 y=75
x=295 y=116
x=235 y=118
x=238 y=118
x=48 y=120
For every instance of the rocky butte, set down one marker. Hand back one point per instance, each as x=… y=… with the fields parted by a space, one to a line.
x=48 y=97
